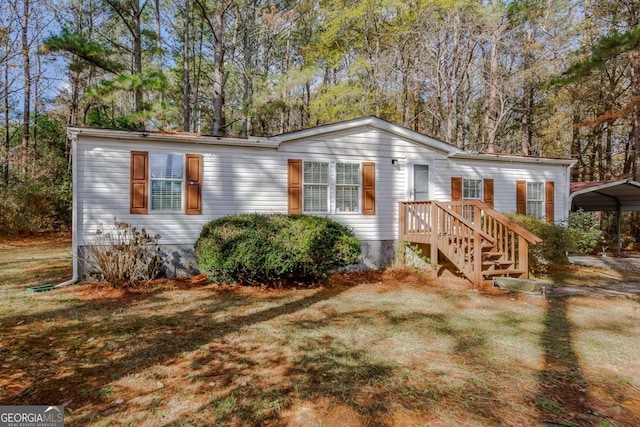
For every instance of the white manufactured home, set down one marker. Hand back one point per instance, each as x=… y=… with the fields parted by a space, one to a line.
x=385 y=182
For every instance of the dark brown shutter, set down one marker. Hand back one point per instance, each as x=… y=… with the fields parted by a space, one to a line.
x=456 y=188
x=368 y=188
x=139 y=197
x=521 y=197
x=294 y=186
x=488 y=191
x=548 y=200
x=194 y=184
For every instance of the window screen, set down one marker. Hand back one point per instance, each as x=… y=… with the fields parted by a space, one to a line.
x=347 y=187
x=167 y=176
x=316 y=187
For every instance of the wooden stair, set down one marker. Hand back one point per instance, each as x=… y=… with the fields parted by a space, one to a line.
x=482 y=245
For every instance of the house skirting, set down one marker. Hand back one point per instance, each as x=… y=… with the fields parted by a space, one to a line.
x=180 y=260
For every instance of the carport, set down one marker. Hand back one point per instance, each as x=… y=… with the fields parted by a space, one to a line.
x=606 y=196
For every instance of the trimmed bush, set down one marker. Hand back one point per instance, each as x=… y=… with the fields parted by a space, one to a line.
x=554 y=247
x=274 y=249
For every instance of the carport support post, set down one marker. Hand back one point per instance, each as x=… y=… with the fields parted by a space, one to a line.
x=619 y=227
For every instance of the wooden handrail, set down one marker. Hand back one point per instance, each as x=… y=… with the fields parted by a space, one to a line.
x=443 y=229
x=517 y=228
x=468 y=237
x=460 y=218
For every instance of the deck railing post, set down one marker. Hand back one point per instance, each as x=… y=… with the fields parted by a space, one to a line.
x=401 y=222
x=477 y=259
x=523 y=257
x=435 y=230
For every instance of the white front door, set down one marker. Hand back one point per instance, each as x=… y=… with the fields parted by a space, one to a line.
x=420 y=182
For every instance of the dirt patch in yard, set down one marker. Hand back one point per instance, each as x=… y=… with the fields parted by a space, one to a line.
x=373 y=348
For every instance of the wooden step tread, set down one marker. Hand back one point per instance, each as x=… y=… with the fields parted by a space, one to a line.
x=505 y=272
x=500 y=262
x=492 y=254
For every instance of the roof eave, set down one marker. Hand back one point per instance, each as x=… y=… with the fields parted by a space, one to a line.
x=75 y=132
x=512 y=159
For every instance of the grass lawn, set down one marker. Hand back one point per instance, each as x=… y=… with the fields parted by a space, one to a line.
x=390 y=348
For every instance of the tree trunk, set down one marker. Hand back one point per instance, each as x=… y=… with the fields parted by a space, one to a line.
x=575 y=144
x=137 y=57
x=218 y=75
x=159 y=35
x=526 y=121
x=635 y=119
x=492 y=111
x=186 y=85
x=608 y=167
x=36 y=99
x=197 y=74
x=249 y=43
x=284 y=110
x=27 y=85
x=7 y=134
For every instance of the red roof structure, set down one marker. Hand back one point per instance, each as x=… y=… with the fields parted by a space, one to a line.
x=623 y=195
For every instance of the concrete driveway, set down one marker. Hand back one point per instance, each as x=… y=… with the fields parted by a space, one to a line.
x=626 y=289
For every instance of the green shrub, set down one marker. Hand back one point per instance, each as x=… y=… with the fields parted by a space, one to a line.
x=584 y=236
x=554 y=246
x=125 y=255
x=275 y=249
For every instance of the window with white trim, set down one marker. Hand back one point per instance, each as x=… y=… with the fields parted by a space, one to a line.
x=347 y=187
x=331 y=187
x=167 y=178
x=535 y=199
x=472 y=189
x=316 y=187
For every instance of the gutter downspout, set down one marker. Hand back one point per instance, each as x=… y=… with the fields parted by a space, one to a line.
x=74 y=213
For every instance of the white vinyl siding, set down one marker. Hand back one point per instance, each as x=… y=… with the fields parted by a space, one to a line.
x=167 y=177
x=368 y=144
x=234 y=179
x=535 y=199
x=505 y=175
x=254 y=179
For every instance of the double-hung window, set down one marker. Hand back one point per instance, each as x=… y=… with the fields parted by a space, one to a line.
x=535 y=199
x=472 y=189
x=331 y=187
x=316 y=187
x=167 y=179
x=347 y=187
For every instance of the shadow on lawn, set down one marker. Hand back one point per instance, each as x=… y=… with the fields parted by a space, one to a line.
x=327 y=367
x=562 y=397
x=81 y=379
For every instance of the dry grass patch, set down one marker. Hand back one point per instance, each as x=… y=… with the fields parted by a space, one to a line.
x=378 y=348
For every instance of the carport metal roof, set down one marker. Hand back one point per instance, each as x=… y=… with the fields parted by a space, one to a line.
x=612 y=196
x=609 y=196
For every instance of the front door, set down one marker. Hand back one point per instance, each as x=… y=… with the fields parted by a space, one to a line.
x=420 y=182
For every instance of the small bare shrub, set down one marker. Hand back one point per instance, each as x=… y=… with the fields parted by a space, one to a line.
x=125 y=256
